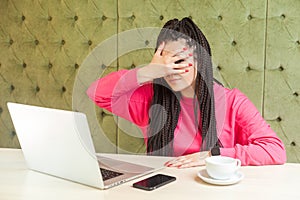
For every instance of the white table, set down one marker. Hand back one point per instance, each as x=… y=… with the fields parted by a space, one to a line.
x=263 y=182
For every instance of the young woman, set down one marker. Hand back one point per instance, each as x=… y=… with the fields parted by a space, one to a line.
x=181 y=111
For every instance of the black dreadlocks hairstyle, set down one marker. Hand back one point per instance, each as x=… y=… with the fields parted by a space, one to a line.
x=165 y=106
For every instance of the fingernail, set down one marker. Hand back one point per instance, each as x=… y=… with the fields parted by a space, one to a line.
x=190 y=64
x=186 y=70
x=184 y=49
x=179 y=166
x=190 y=54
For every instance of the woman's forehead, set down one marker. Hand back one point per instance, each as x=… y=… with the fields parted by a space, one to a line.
x=175 y=46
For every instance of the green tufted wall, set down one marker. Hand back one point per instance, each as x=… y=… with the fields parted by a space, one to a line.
x=49 y=54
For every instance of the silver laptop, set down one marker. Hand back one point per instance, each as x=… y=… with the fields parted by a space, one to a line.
x=59 y=143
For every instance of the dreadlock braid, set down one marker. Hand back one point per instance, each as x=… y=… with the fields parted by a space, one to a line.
x=162 y=123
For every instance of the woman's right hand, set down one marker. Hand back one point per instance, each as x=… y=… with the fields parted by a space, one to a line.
x=164 y=64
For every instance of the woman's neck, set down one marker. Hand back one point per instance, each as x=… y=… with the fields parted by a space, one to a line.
x=188 y=92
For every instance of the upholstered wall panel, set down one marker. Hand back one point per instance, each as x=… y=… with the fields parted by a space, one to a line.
x=282 y=78
x=42 y=46
x=50 y=51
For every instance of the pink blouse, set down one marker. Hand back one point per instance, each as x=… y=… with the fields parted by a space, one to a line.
x=241 y=129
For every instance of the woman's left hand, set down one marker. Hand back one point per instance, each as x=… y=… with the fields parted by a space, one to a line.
x=190 y=160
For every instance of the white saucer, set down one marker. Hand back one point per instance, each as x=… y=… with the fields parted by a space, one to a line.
x=235 y=179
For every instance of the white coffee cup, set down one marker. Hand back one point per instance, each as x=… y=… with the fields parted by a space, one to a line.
x=222 y=167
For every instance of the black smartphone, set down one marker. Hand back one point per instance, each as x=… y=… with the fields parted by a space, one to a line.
x=154 y=182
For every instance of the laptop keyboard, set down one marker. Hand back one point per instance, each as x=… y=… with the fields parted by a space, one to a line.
x=108 y=174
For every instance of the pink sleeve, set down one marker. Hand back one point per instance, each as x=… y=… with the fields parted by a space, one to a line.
x=120 y=93
x=256 y=143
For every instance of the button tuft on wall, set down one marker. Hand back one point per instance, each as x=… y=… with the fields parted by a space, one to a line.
x=161 y=17
x=1 y=110
x=75 y=18
x=293 y=143
x=220 y=18
x=282 y=16
x=233 y=43
x=36 y=42
x=249 y=17
x=147 y=42
x=219 y=68
x=102 y=114
x=296 y=94
x=104 y=17
x=23 y=18
x=37 y=89
x=298 y=42
x=132 y=17
x=132 y=66
x=50 y=65
x=13 y=133
x=24 y=65
x=248 y=68
x=63 y=42
x=49 y=18
x=278 y=119
x=90 y=42
x=76 y=66
x=11 y=41
x=103 y=66
x=63 y=89
x=12 y=88
x=280 y=68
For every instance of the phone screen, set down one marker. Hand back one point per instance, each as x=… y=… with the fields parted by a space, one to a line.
x=154 y=182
